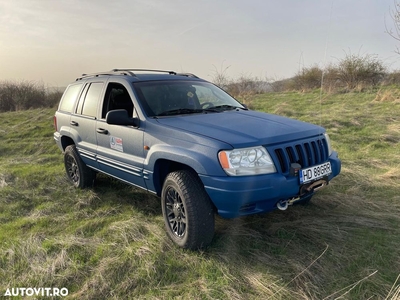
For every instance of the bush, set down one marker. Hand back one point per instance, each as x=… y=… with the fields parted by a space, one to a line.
x=53 y=97
x=392 y=78
x=15 y=96
x=243 y=88
x=308 y=78
x=354 y=71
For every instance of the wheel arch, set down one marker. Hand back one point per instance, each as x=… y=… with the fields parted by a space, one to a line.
x=162 y=168
x=66 y=141
x=164 y=159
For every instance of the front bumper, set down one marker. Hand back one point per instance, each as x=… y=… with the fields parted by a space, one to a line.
x=245 y=195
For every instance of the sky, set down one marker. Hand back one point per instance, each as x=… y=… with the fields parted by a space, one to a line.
x=55 y=41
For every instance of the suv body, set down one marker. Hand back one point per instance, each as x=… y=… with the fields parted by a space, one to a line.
x=187 y=141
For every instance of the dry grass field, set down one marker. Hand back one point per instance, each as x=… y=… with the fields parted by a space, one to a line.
x=108 y=242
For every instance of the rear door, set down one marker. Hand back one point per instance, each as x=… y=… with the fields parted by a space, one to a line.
x=120 y=150
x=83 y=122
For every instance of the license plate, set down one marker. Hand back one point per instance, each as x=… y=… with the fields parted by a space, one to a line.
x=314 y=173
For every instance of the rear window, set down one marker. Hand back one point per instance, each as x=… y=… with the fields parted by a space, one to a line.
x=69 y=98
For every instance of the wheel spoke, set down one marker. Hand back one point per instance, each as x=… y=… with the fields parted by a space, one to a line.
x=171 y=197
x=73 y=171
x=181 y=229
x=175 y=212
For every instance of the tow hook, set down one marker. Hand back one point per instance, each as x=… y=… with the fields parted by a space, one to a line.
x=313 y=187
x=284 y=204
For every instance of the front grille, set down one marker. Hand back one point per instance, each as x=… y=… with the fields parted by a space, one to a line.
x=306 y=153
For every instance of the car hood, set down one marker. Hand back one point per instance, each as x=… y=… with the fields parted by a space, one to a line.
x=244 y=128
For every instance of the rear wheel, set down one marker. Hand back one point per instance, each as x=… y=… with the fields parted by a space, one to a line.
x=187 y=210
x=78 y=173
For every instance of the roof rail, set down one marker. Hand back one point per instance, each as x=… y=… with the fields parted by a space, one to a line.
x=95 y=74
x=144 y=70
x=131 y=73
x=187 y=75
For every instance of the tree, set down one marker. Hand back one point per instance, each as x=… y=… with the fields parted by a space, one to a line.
x=395 y=16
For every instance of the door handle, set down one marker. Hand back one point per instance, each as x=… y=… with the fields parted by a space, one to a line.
x=73 y=123
x=102 y=131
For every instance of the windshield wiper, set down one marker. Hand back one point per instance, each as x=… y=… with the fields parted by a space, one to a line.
x=226 y=107
x=180 y=111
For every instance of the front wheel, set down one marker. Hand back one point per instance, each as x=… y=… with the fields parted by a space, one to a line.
x=187 y=210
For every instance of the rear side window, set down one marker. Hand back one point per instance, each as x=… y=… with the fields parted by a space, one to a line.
x=89 y=99
x=69 y=97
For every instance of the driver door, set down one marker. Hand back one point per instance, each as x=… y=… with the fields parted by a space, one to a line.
x=120 y=150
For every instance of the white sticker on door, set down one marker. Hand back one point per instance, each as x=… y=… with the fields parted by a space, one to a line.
x=116 y=143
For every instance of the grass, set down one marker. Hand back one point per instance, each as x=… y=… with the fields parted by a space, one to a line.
x=109 y=241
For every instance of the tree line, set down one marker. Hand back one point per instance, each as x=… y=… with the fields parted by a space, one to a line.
x=354 y=72
x=15 y=96
x=351 y=73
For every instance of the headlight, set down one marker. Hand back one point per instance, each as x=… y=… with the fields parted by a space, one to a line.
x=246 y=161
x=328 y=141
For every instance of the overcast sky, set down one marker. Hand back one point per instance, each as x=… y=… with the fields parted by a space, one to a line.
x=54 y=41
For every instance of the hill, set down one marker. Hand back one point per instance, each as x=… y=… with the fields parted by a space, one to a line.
x=109 y=241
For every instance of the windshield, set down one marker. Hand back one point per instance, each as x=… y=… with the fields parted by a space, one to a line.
x=163 y=98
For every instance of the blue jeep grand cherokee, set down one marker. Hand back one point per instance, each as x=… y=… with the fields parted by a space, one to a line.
x=187 y=141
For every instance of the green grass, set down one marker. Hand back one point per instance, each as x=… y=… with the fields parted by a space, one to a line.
x=109 y=241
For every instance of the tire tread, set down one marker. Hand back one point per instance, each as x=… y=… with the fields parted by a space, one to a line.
x=198 y=206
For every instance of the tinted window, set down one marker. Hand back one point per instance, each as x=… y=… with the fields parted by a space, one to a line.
x=117 y=97
x=82 y=99
x=92 y=99
x=160 y=97
x=69 y=97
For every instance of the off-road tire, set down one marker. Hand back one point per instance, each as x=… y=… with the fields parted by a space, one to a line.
x=187 y=210
x=77 y=172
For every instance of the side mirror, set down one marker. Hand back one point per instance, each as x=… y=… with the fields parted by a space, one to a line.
x=121 y=117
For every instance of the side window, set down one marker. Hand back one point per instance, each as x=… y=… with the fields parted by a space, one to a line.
x=117 y=97
x=69 y=98
x=82 y=99
x=89 y=99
